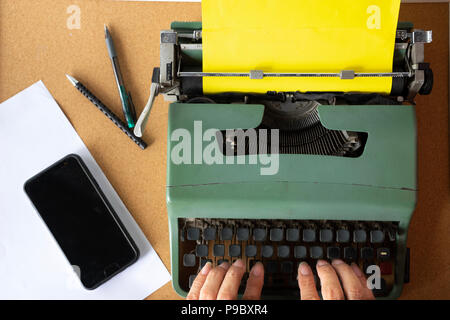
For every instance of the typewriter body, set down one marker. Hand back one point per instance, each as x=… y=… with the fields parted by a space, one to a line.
x=346 y=183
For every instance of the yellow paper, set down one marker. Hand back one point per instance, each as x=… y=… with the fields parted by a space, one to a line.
x=298 y=36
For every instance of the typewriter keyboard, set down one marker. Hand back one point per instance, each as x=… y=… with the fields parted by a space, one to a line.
x=282 y=244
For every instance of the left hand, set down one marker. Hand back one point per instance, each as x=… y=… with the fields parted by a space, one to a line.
x=223 y=281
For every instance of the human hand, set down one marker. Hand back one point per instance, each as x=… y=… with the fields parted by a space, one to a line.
x=354 y=286
x=223 y=281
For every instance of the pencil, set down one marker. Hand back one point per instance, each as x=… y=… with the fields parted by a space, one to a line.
x=116 y=120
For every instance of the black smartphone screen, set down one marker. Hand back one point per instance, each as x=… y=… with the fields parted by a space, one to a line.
x=81 y=220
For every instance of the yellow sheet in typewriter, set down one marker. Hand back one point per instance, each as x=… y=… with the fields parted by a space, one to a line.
x=298 y=36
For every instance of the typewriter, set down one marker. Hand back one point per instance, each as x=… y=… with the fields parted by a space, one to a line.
x=346 y=184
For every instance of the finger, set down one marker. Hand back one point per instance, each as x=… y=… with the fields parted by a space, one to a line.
x=329 y=281
x=230 y=285
x=360 y=275
x=352 y=286
x=213 y=282
x=255 y=282
x=306 y=283
x=194 y=293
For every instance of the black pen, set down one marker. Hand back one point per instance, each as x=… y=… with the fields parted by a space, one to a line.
x=122 y=126
x=125 y=98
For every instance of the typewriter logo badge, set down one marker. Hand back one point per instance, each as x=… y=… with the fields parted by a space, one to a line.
x=227 y=147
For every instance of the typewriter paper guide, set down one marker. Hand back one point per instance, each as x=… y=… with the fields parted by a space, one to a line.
x=298 y=36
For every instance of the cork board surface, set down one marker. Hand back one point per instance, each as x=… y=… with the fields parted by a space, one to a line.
x=35 y=44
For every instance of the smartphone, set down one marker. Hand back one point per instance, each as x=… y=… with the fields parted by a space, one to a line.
x=82 y=221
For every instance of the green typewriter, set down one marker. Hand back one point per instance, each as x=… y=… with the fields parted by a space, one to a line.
x=343 y=186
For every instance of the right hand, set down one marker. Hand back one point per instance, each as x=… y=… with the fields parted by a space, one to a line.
x=354 y=286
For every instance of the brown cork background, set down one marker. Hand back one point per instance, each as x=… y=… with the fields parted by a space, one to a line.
x=35 y=44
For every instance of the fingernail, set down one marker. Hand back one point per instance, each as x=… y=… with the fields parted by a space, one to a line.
x=356 y=270
x=304 y=269
x=257 y=269
x=224 y=265
x=337 y=262
x=238 y=263
x=206 y=268
x=321 y=263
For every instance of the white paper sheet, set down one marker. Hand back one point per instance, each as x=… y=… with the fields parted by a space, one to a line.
x=34 y=133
